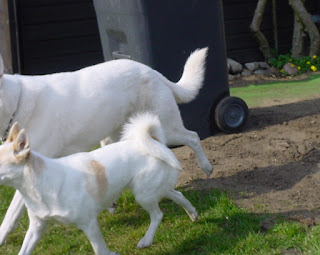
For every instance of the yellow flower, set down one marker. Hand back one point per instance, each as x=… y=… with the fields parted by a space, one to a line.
x=292 y=65
x=314 y=56
x=299 y=68
x=308 y=62
x=281 y=71
x=313 y=68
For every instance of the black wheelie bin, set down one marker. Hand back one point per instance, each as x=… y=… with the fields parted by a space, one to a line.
x=162 y=34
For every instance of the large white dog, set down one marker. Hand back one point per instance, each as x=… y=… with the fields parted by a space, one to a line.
x=76 y=188
x=70 y=112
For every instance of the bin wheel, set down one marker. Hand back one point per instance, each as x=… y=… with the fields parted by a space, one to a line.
x=231 y=114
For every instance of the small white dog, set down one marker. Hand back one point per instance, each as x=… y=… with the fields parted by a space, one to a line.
x=76 y=188
x=73 y=111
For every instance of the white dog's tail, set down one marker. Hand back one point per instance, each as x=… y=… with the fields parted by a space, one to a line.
x=146 y=132
x=191 y=81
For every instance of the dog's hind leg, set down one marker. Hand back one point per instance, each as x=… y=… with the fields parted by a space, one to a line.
x=177 y=134
x=106 y=141
x=114 y=136
x=179 y=199
x=156 y=215
x=182 y=136
x=13 y=214
x=96 y=239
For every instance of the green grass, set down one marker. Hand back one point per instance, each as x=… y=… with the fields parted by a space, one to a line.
x=278 y=91
x=222 y=228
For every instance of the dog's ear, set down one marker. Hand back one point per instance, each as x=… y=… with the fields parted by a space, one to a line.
x=21 y=145
x=13 y=133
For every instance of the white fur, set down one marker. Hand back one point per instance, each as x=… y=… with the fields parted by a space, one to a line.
x=73 y=111
x=193 y=74
x=70 y=191
x=1 y=67
x=138 y=130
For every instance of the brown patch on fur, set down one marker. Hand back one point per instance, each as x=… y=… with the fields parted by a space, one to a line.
x=155 y=138
x=97 y=183
x=36 y=164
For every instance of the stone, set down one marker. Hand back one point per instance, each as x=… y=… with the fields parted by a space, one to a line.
x=263 y=65
x=290 y=68
x=252 y=66
x=261 y=72
x=235 y=67
x=246 y=73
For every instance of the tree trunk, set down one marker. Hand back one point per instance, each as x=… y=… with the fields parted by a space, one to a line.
x=275 y=24
x=298 y=39
x=311 y=28
x=255 y=28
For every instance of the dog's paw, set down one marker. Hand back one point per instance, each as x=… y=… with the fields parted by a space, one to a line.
x=207 y=168
x=193 y=215
x=114 y=253
x=144 y=242
x=113 y=208
x=106 y=142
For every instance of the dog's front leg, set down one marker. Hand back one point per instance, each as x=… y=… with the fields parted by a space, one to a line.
x=14 y=213
x=34 y=233
x=93 y=232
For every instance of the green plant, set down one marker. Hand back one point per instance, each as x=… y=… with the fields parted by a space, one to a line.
x=304 y=64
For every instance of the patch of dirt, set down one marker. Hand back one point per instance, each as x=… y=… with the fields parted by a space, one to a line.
x=272 y=166
x=259 y=79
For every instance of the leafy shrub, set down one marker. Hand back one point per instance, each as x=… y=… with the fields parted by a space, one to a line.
x=304 y=64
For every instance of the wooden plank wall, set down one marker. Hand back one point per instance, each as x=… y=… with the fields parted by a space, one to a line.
x=59 y=35
x=241 y=45
x=62 y=35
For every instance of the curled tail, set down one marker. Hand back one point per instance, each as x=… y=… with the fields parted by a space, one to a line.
x=146 y=131
x=191 y=81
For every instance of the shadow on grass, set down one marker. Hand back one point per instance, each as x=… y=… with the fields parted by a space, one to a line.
x=220 y=227
x=231 y=230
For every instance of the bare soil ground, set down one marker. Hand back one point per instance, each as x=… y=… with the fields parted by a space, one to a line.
x=258 y=79
x=272 y=166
